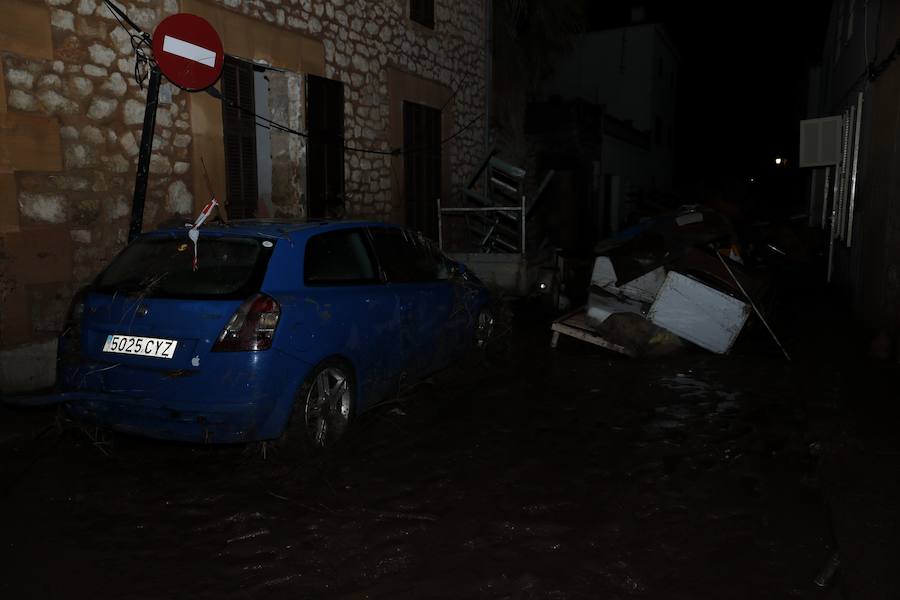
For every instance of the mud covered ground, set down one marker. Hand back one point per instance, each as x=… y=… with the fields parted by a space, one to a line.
x=572 y=473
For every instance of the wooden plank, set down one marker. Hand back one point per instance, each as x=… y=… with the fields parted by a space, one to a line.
x=2 y=86
x=9 y=205
x=554 y=339
x=25 y=29
x=581 y=309
x=574 y=324
x=29 y=143
x=589 y=337
x=579 y=319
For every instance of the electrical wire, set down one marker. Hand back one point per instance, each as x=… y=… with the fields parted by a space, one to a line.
x=121 y=13
x=401 y=151
x=866 y=30
x=873 y=71
x=142 y=63
x=139 y=40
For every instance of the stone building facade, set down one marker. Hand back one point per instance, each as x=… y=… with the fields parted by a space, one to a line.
x=70 y=124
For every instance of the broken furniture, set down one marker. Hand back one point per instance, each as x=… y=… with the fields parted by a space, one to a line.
x=496 y=216
x=661 y=280
x=575 y=324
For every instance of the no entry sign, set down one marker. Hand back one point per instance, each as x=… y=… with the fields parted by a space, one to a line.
x=188 y=51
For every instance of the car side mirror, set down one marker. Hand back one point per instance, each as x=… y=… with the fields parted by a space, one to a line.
x=457 y=269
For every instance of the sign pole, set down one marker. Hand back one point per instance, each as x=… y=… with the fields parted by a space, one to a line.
x=143 y=166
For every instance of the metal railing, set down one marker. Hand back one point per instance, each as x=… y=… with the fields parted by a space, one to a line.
x=491 y=237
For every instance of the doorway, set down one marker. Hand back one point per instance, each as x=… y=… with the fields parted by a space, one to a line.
x=325 y=150
x=422 y=166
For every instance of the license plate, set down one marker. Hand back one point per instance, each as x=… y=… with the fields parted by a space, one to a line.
x=140 y=346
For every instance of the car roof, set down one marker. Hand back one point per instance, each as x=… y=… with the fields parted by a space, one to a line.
x=274 y=228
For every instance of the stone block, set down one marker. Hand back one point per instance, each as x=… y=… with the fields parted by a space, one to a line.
x=28 y=368
x=80 y=87
x=55 y=103
x=19 y=78
x=43 y=207
x=25 y=28
x=95 y=71
x=62 y=19
x=80 y=156
x=29 y=143
x=101 y=108
x=102 y=55
x=39 y=254
x=24 y=101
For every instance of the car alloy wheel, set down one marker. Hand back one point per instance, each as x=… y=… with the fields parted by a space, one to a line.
x=484 y=327
x=328 y=406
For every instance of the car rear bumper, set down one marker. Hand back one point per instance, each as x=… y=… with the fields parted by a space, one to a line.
x=211 y=423
x=234 y=399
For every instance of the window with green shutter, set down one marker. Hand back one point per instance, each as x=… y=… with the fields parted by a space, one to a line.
x=239 y=135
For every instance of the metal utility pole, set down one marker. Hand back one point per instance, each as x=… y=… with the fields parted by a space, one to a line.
x=143 y=166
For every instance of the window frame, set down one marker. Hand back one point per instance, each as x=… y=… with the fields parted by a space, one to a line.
x=443 y=259
x=330 y=148
x=426 y=19
x=239 y=138
x=423 y=171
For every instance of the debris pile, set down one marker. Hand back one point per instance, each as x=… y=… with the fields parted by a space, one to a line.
x=674 y=278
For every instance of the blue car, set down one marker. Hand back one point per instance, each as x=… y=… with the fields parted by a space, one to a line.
x=278 y=329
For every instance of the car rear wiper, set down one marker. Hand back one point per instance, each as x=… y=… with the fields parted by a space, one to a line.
x=144 y=284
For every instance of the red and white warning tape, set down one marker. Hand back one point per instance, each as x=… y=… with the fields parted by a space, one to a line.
x=194 y=232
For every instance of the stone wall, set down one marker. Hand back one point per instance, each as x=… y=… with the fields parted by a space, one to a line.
x=87 y=87
x=362 y=40
x=71 y=114
x=286 y=106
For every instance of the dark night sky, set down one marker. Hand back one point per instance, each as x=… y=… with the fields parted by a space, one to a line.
x=743 y=73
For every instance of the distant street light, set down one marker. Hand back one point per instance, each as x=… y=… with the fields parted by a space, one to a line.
x=778 y=161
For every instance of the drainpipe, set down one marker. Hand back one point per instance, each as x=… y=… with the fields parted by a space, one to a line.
x=488 y=69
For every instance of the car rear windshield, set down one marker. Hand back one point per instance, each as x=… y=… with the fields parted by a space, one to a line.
x=162 y=267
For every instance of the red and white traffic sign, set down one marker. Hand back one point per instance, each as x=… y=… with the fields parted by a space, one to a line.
x=188 y=51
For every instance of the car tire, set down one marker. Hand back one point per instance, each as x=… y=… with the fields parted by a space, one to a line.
x=324 y=408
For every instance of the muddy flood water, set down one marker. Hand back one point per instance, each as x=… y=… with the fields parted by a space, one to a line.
x=539 y=473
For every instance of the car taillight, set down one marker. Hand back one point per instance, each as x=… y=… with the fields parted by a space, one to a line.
x=251 y=327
